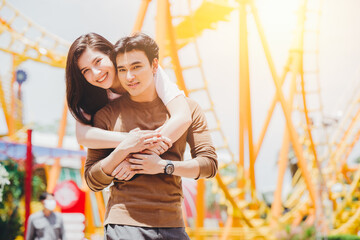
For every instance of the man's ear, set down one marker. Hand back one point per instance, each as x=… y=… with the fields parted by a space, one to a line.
x=155 y=65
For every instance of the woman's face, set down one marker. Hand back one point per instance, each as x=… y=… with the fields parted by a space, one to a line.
x=97 y=68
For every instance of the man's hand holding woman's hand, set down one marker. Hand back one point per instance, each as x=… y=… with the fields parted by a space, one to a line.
x=123 y=171
x=137 y=141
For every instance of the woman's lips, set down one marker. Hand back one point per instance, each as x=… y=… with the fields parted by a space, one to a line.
x=102 y=79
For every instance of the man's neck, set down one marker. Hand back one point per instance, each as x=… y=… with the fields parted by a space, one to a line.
x=47 y=212
x=147 y=96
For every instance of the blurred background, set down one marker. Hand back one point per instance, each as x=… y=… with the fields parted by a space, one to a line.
x=231 y=54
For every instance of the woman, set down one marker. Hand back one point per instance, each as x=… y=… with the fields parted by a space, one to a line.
x=90 y=85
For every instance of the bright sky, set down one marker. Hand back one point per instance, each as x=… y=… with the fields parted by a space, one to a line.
x=44 y=91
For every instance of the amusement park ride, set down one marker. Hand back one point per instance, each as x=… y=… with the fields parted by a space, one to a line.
x=321 y=152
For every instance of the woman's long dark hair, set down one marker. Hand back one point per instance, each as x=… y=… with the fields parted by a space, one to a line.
x=82 y=97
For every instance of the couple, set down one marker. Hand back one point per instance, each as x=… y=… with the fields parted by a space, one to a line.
x=135 y=123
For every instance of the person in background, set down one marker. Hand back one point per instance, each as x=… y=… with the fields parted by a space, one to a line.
x=45 y=224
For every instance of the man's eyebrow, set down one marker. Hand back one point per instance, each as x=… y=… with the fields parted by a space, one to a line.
x=133 y=63
x=96 y=58
x=136 y=62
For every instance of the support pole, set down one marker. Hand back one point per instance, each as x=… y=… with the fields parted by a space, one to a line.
x=245 y=101
x=291 y=129
x=161 y=30
x=270 y=112
x=12 y=116
x=200 y=207
x=4 y=106
x=141 y=15
x=174 y=50
x=28 y=177
x=56 y=168
x=283 y=160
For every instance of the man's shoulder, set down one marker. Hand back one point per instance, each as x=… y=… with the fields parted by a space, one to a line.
x=58 y=216
x=37 y=215
x=193 y=105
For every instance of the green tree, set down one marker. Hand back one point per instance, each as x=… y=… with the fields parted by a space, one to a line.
x=11 y=223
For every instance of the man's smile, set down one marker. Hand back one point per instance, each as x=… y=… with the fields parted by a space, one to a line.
x=133 y=85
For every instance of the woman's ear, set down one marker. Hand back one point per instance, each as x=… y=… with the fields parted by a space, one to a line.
x=155 y=65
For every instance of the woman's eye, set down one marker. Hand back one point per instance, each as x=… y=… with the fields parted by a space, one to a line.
x=84 y=71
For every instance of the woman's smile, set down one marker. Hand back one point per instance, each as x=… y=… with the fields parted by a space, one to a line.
x=102 y=78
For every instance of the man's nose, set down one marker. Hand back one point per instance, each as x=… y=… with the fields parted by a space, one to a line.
x=129 y=76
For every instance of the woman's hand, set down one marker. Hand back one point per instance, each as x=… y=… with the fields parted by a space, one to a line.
x=137 y=140
x=123 y=171
x=162 y=146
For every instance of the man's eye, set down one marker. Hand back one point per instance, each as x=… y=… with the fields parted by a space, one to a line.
x=137 y=66
x=121 y=70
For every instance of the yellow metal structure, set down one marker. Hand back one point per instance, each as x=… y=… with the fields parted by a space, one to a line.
x=322 y=163
x=28 y=41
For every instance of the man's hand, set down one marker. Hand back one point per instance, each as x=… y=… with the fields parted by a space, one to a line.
x=147 y=162
x=138 y=140
x=123 y=171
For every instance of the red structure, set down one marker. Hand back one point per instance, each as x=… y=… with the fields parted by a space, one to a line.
x=28 y=177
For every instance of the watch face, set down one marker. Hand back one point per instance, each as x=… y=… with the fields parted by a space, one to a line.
x=169 y=169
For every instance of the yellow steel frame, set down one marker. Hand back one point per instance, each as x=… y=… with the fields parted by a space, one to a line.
x=240 y=222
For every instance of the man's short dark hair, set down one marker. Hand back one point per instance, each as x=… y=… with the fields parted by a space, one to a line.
x=138 y=41
x=44 y=195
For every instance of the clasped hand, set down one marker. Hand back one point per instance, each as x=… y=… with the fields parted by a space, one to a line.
x=146 y=162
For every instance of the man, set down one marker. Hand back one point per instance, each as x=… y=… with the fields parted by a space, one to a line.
x=149 y=205
x=46 y=224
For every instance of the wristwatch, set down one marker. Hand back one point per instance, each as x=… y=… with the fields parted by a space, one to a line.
x=169 y=168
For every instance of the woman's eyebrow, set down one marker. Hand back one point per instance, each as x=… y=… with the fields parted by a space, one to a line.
x=94 y=60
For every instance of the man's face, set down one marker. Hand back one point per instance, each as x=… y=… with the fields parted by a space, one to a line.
x=136 y=75
x=49 y=203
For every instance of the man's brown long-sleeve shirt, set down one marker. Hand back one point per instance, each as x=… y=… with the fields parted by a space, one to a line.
x=148 y=200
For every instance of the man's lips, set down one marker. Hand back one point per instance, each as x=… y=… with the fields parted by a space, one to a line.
x=133 y=85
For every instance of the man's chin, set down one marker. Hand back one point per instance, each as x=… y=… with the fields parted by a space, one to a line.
x=133 y=94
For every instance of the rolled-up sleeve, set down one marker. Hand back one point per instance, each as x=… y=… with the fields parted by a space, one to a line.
x=95 y=177
x=199 y=139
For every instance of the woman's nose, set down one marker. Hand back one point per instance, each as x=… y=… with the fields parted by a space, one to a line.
x=95 y=71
